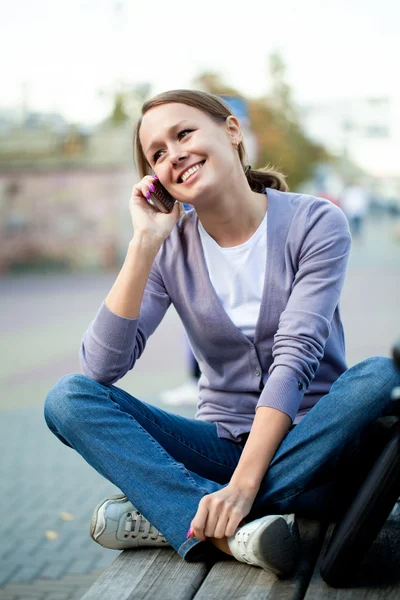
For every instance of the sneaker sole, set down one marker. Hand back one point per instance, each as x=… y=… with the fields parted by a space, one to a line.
x=276 y=548
x=294 y=531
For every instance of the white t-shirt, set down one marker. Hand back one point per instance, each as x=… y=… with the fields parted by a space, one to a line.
x=237 y=275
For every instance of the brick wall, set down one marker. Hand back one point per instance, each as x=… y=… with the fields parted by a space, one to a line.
x=74 y=219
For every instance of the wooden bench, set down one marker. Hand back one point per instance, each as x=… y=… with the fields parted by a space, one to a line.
x=160 y=574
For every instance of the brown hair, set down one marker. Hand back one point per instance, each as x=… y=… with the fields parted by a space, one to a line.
x=214 y=106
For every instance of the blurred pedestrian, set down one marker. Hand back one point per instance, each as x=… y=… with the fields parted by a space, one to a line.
x=331 y=197
x=255 y=274
x=187 y=393
x=354 y=202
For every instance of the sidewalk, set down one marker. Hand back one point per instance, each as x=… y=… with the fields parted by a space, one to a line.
x=40 y=481
x=48 y=492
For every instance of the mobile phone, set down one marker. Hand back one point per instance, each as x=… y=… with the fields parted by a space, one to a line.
x=162 y=199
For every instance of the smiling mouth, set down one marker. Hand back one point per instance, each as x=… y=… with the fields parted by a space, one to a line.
x=185 y=176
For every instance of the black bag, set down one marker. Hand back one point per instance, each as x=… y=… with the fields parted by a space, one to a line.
x=366 y=516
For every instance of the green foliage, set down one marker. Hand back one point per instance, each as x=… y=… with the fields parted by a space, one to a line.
x=282 y=142
x=118 y=114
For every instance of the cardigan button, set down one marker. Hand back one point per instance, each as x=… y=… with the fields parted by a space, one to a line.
x=257 y=372
x=300 y=385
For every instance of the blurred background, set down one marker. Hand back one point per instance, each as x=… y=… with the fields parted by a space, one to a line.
x=315 y=89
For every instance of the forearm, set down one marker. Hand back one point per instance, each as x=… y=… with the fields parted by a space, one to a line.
x=125 y=297
x=269 y=428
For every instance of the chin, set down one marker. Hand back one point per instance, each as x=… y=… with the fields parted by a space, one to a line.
x=197 y=196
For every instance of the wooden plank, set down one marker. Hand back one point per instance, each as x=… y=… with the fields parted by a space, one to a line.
x=149 y=574
x=377 y=578
x=230 y=580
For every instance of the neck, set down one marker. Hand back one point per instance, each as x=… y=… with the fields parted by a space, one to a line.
x=232 y=216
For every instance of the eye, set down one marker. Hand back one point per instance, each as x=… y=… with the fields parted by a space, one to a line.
x=156 y=156
x=184 y=133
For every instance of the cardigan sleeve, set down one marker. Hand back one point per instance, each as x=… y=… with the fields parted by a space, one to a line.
x=112 y=344
x=305 y=324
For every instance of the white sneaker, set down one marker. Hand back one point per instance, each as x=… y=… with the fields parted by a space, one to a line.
x=271 y=543
x=186 y=394
x=118 y=525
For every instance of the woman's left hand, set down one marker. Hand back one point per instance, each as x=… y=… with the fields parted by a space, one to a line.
x=219 y=514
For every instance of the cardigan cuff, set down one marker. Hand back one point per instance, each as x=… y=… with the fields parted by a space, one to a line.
x=114 y=332
x=284 y=390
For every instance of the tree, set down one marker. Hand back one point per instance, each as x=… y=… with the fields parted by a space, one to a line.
x=282 y=142
x=281 y=92
x=118 y=114
x=214 y=84
x=127 y=100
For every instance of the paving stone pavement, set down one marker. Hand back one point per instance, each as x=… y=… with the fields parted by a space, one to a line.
x=47 y=491
x=48 y=479
x=43 y=482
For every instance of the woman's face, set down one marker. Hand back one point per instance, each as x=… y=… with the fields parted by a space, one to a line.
x=190 y=152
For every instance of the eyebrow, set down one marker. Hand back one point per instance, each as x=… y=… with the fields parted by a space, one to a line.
x=156 y=143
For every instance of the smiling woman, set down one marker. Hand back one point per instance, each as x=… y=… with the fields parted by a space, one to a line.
x=255 y=274
x=218 y=111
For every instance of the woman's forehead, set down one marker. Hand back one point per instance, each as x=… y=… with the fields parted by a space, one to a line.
x=173 y=110
x=160 y=119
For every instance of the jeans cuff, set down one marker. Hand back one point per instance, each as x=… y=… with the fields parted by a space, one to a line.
x=194 y=550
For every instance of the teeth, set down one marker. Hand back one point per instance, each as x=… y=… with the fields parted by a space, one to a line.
x=190 y=172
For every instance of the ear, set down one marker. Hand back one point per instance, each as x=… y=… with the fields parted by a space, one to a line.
x=232 y=127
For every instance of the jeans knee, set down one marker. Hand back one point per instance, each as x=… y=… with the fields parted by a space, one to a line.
x=379 y=368
x=59 y=403
x=368 y=385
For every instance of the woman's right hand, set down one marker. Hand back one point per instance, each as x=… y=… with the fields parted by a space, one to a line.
x=146 y=219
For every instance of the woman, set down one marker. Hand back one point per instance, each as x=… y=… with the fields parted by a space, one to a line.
x=255 y=273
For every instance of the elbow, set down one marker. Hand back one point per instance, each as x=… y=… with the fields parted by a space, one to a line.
x=98 y=376
x=100 y=373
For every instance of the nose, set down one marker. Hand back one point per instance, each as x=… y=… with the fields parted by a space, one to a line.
x=177 y=155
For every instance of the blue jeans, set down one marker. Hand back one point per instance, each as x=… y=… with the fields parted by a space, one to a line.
x=165 y=463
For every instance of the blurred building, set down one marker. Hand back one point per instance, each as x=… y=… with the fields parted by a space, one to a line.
x=359 y=128
x=64 y=193
x=362 y=131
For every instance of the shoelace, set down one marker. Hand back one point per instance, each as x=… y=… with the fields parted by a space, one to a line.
x=136 y=525
x=242 y=537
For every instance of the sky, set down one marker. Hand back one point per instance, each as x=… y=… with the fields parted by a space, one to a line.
x=60 y=54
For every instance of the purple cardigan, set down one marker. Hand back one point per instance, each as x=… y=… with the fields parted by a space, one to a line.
x=298 y=350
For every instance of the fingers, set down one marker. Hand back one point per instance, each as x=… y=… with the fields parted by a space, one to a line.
x=220 y=527
x=211 y=523
x=235 y=518
x=198 y=524
x=228 y=520
x=144 y=187
x=214 y=519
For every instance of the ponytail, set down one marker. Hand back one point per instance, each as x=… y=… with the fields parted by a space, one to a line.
x=260 y=179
